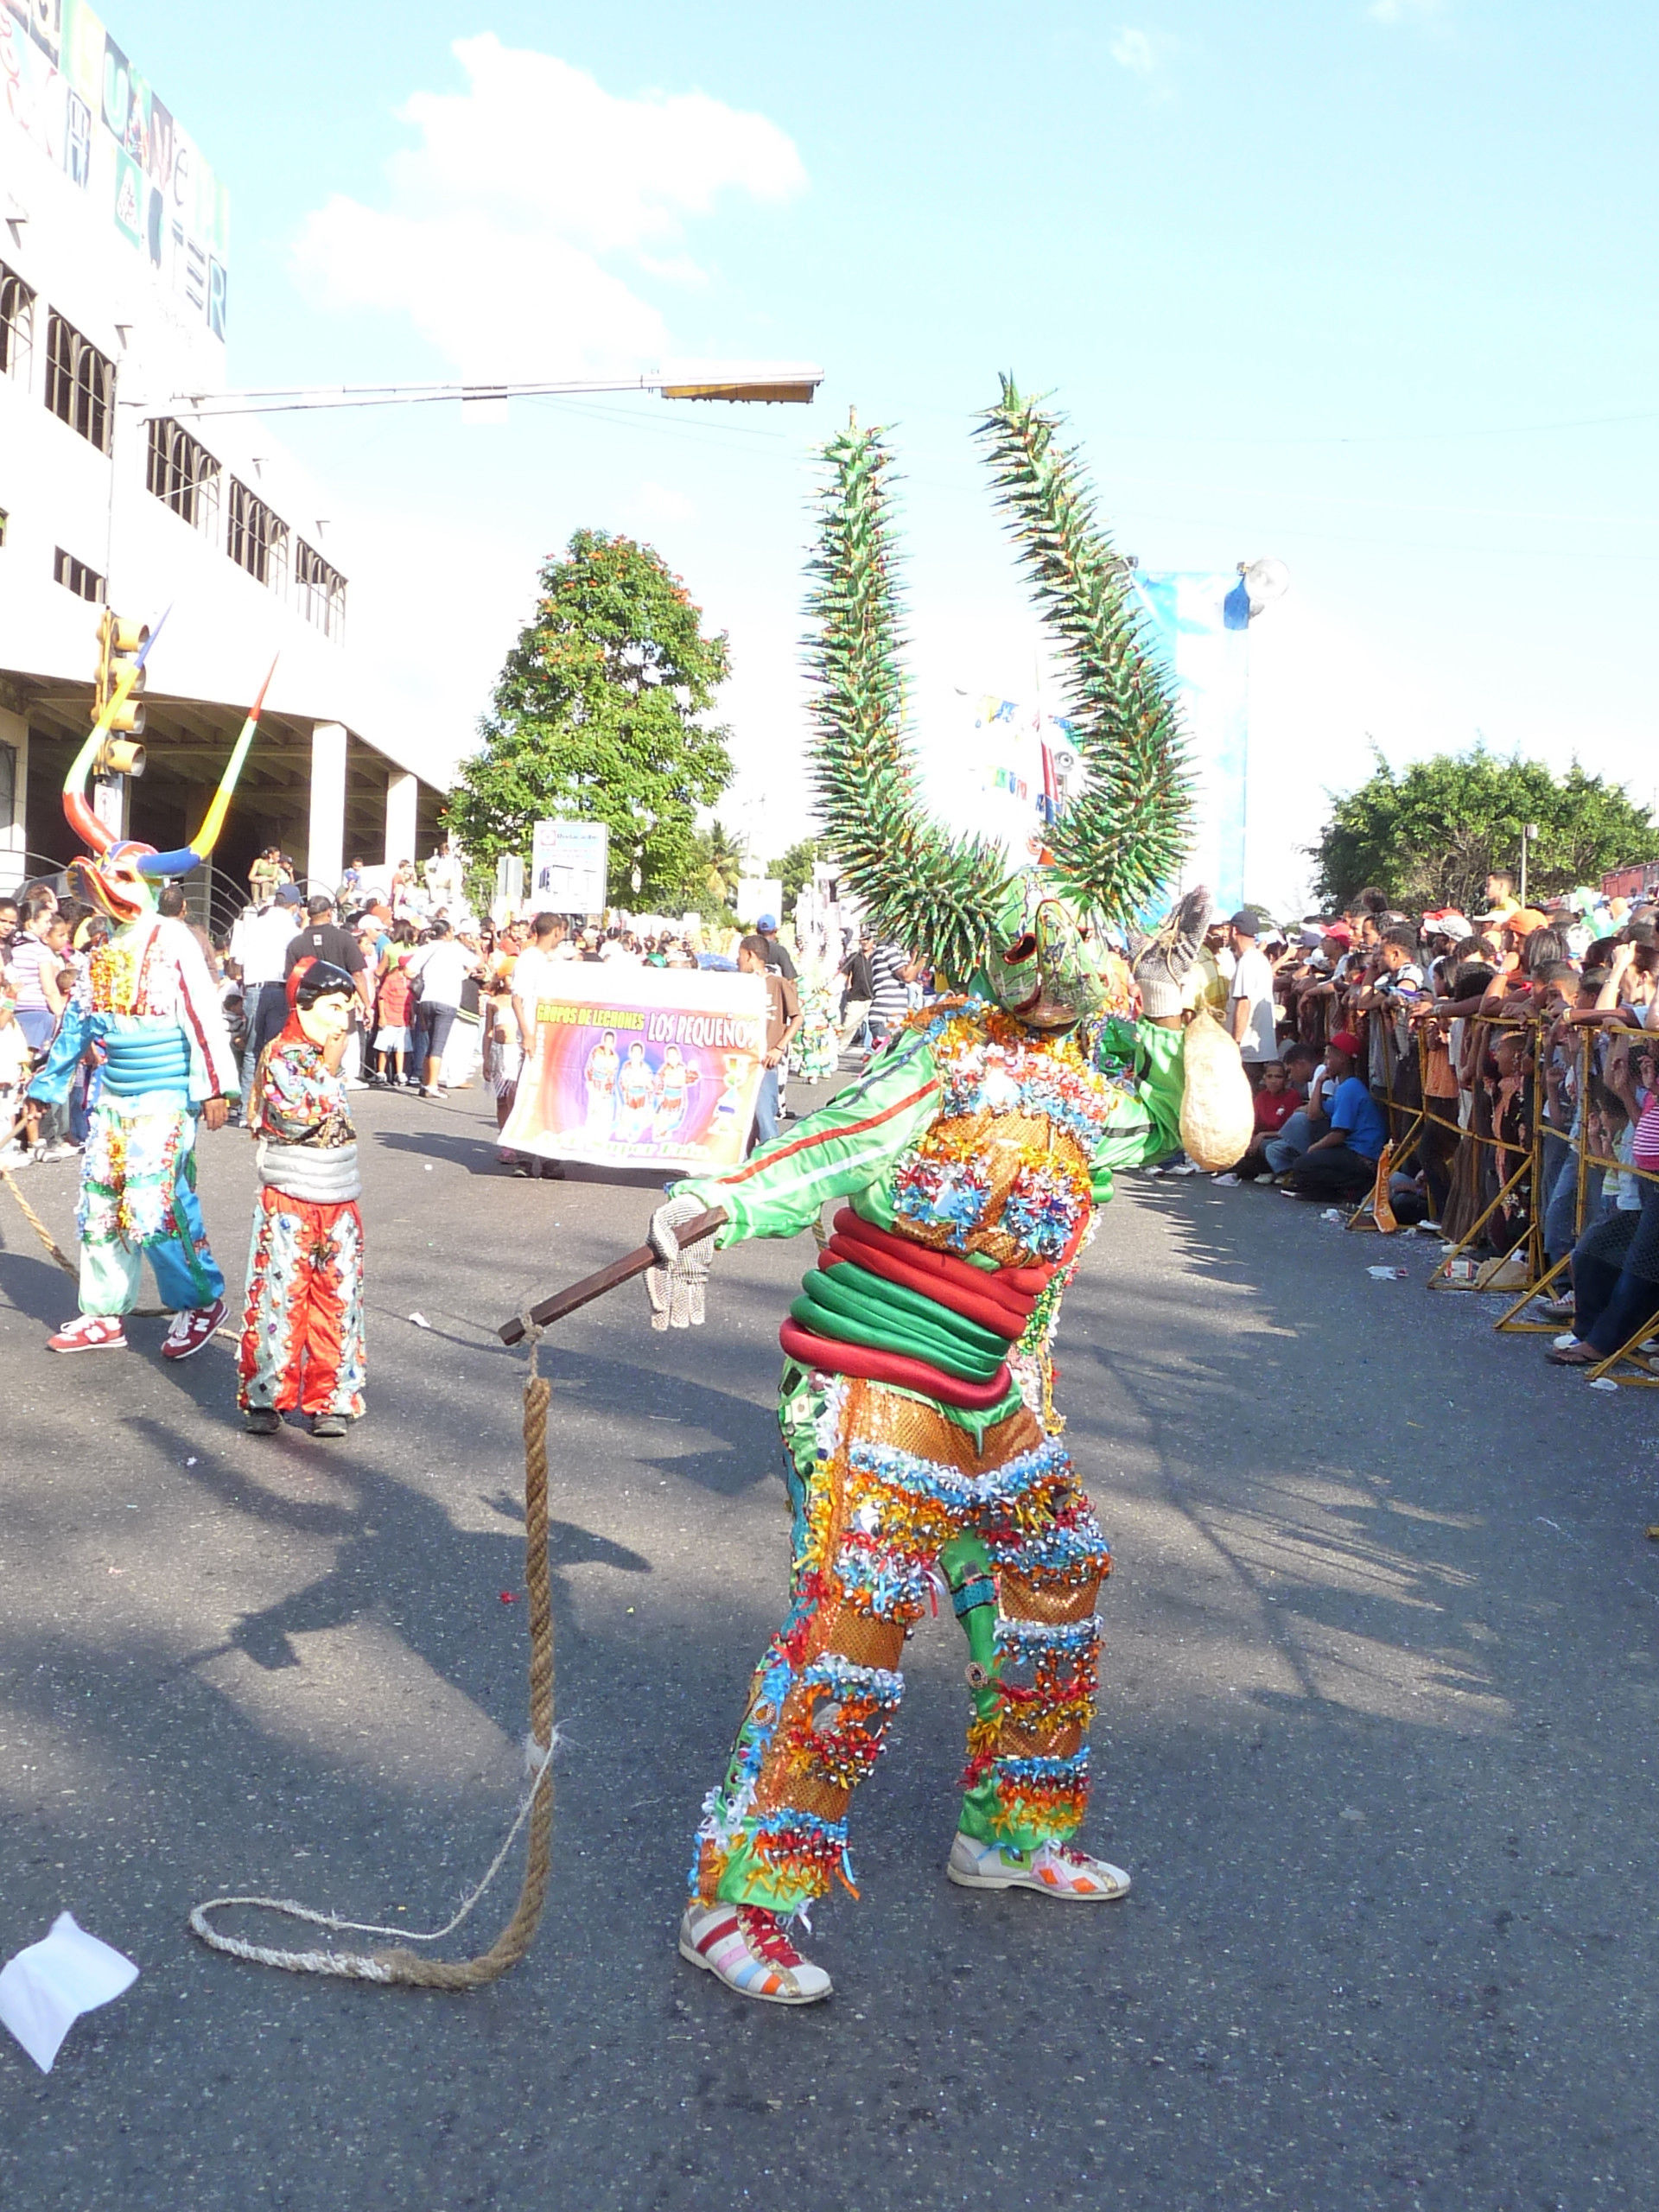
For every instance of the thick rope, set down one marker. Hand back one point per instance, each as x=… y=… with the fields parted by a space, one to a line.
x=401 y=1964
x=37 y=1224
x=139 y=1312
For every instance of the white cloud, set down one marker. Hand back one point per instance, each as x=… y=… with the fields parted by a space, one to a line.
x=514 y=231
x=1403 y=11
x=1132 y=50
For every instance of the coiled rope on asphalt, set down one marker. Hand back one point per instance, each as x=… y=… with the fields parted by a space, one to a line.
x=401 y=1964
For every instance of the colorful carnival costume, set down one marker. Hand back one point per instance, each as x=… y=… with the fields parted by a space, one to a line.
x=923 y=1453
x=147 y=1002
x=148 y=1005
x=303 y=1343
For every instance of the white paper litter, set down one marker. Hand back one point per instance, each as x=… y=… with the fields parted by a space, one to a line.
x=1387 y=1274
x=420 y=1321
x=1332 y=1213
x=45 y=1989
x=1603 y=1383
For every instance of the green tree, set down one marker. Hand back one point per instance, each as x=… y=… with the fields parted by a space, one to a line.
x=1430 y=835
x=794 y=870
x=600 y=716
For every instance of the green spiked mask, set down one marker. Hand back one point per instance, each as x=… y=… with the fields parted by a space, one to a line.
x=1037 y=965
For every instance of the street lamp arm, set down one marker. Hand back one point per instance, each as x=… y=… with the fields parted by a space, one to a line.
x=784 y=384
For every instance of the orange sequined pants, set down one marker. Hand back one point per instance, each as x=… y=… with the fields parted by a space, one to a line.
x=884 y=1483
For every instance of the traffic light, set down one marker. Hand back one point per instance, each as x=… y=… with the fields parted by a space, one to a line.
x=117 y=695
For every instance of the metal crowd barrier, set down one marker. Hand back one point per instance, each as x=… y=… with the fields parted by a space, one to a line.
x=1630 y=1366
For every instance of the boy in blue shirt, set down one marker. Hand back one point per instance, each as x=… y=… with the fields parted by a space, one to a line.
x=1342 y=1163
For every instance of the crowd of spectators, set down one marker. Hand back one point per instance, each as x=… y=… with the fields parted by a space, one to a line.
x=1476 y=1047
x=1454 y=1040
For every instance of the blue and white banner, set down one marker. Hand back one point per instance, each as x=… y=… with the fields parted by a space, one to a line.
x=1200 y=630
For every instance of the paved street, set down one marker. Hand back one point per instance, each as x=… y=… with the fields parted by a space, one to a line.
x=1377 y=1741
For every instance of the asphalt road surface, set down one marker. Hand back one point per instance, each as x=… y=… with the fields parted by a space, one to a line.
x=1376 y=1739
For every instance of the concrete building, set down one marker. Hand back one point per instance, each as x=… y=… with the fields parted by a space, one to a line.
x=114 y=306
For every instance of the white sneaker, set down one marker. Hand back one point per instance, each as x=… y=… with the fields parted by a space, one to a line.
x=1230 y=1180
x=1054 y=1870
x=745 y=1946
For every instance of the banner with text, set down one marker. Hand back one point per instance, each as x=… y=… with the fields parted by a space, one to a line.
x=569 y=861
x=642 y=1067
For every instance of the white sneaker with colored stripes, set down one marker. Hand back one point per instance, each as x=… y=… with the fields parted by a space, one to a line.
x=1054 y=1870
x=747 y=1948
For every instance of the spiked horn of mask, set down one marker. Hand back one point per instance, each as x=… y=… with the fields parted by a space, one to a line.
x=121 y=875
x=1014 y=933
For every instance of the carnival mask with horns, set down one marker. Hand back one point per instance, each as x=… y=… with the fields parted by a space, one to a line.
x=1012 y=933
x=122 y=876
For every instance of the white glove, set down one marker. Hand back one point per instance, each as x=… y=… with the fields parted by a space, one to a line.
x=1161 y=963
x=676 y=1288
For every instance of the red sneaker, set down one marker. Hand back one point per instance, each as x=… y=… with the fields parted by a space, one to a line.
x=191 y=1330
x=90 y=1332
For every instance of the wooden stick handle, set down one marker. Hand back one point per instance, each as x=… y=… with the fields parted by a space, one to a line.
x=620 y=1271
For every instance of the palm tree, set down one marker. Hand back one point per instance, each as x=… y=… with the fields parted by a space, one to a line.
x=722 y=861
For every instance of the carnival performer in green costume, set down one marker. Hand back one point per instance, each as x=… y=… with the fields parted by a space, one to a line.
x=967 y=1164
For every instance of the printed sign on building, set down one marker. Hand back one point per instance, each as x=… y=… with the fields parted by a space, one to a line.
x=642 y=1067
x=569 y=863
x=69 y=91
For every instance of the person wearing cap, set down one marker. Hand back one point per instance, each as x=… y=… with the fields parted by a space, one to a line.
x=302 y=1347
x=1343 y=1162
x=1286 y=1145
x=776 y=952
x=1250 y=1014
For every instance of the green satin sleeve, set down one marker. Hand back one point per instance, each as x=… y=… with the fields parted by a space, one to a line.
x=833 y=1154
x=1146 y=1123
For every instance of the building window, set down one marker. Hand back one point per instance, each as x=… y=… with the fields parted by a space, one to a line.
x=75 y=575
x=184 y=474
x=256 y=540
x=16 y=325
x=319 y=591
x=79 y=382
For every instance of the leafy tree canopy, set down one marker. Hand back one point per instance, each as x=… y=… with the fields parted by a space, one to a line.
x=598 y=716
x=1430 y=835
x=794 y=870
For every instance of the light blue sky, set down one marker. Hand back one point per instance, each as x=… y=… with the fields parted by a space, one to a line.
x=1368 y=287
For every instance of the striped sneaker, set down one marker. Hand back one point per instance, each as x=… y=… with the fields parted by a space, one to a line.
x=1054 y=1870
x=745 y=1946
